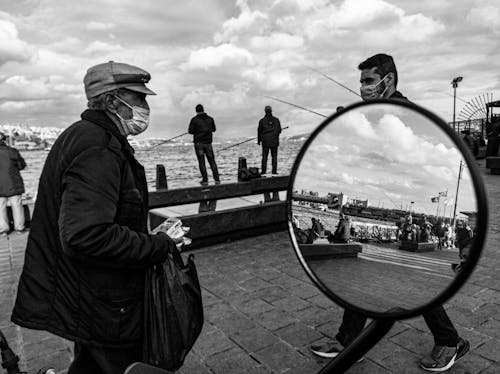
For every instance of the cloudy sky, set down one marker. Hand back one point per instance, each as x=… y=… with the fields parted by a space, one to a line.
x=226 y=54
x=388 y=156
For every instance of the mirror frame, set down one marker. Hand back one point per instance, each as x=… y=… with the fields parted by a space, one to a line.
x=481 y=223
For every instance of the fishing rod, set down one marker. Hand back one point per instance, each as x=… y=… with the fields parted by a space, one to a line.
x=333 y=80
x=166 y=141
x=248 y=140
x=297 y=106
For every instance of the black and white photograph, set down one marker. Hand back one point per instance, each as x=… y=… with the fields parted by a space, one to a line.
x=249 y=186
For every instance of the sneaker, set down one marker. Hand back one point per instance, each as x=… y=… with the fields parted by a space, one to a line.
x=217 y=182
x=3 y=234
x=275 y=174
x=329 y=350
x=442 y=358
x=204 y=183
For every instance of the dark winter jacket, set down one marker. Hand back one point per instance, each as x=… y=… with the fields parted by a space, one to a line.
x=269 y=131
x=88 y=246
x=202 y=126
x=10 y=163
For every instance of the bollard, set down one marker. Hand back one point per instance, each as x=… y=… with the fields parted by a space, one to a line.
x=161 y=178
x=242 y=165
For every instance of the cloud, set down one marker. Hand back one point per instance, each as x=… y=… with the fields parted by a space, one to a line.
x=486 y=15
x=224 y=54
x=99 y=48
x=100 y=26
x=233 y=27
x=11 y=47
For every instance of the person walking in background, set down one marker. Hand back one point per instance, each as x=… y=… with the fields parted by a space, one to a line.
x=379 y=79
x=11 y=187
x=202 y=126
x=268 y=133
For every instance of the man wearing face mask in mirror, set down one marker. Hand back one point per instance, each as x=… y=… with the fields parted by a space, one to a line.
x=379 y=79
x=89 y=246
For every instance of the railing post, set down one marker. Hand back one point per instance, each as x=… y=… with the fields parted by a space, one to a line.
x=242 y=165
x=161 y=178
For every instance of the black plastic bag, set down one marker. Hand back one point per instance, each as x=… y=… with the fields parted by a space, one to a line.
x=173 y=313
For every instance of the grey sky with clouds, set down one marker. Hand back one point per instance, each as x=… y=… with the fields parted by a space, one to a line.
x=388 y=155
x=226 y=54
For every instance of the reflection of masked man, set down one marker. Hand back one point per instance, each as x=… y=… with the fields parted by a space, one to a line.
x=379 y=79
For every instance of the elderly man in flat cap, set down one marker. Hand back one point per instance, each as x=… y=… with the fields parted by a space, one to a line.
x=89 y=246
x=268 y=133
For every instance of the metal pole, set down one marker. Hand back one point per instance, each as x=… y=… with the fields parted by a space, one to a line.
x=454 y=102
x=456 y=194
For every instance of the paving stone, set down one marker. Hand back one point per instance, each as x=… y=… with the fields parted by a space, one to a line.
x=314 y=316
x=218 y=311
x=280 y=357
x=235 y=322
x=471 y=363
x=366 y=366
x=489 y=350
x=255 y=339
x=193 y=364
x=414 y=341
x=254 y=284
x=322 y=301
x=275 y=319
x=305 y=290
x=235 y=361
x=214 y=342
x=383 y=349
x=491 y=328
x=492 y=369
x=287 y=281
x=291 y=303
x=267 y=273
x=253 y=307
x=298 y=335
x=271 y=294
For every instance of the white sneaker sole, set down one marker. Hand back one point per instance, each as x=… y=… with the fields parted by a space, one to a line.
x=444 y=368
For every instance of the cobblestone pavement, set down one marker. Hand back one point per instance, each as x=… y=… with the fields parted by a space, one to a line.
x=262 y=313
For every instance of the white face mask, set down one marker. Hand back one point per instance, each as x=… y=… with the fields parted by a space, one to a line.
x=370 y=92
x=139 y=121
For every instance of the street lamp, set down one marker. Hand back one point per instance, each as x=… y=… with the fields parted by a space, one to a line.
x=454 y=83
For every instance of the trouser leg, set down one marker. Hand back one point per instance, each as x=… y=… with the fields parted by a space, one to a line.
x=265 y=153
x=274 y=156
x=17 y=212
x=200 y=155
x=441 y=327
x=352 y=325
x=4 y=219
x=211 y=160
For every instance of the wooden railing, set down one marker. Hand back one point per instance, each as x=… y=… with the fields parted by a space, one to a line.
x=210 y=227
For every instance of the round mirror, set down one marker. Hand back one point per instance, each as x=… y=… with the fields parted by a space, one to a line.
x=386 y=208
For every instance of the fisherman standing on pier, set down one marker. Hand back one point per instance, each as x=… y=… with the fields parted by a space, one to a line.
x=202 y=126
x=89 y=247
x=379 y=79
x=268 y=133
x=11 y=187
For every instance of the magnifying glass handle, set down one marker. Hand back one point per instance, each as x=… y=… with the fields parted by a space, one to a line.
x=357 y=349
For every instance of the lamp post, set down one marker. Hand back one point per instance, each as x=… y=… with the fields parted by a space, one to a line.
x=454 y=83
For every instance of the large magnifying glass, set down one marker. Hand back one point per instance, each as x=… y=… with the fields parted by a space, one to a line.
x=381 y=197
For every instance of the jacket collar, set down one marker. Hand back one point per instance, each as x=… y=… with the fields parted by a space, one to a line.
x=100 y=118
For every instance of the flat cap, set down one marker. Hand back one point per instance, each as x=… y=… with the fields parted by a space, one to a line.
x=113 y=75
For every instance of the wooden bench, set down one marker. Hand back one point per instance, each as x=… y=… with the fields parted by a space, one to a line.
x=322 y=248
x=407 y=245
x=493 y=163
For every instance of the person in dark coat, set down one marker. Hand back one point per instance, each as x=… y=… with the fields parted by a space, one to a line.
x=379 y=79
x=268 y=133
x=202 y=126
x=89 y=245
x=11 y=186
